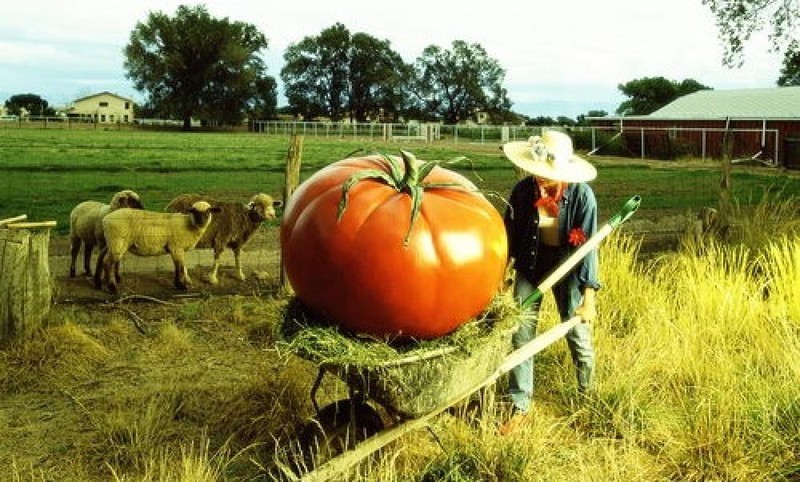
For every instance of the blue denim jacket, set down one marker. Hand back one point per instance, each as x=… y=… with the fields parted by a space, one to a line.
x=578 y=209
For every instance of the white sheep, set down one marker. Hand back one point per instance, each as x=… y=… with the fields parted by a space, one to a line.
x=232 y=227
x=148 y=233
x=85 y=228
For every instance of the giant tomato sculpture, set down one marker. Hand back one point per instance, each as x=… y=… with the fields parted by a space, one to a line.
x=393 y=247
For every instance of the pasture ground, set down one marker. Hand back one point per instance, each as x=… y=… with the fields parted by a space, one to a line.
x=112 y=383
x=153 y=276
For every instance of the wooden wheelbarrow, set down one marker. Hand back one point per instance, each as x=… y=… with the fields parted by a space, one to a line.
x=346 y=431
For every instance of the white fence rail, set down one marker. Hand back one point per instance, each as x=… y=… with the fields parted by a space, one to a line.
x=591 y=139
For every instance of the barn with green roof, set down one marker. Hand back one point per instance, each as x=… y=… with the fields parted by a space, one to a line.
x=763 y=125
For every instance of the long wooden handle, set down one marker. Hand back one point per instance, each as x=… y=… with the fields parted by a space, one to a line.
x=550 y=280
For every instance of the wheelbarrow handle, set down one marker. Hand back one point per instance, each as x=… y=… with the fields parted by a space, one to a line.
x=555 y=276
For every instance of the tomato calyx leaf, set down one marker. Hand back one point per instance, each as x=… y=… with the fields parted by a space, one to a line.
x=358 y=177
x=407 y=177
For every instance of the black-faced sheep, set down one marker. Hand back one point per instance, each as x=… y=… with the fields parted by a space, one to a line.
x=233 y=227
x=148 y=233
x=85 y=228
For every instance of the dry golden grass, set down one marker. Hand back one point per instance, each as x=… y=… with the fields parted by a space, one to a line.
x=698 y=368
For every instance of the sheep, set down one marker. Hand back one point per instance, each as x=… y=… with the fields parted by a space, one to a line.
x=233 y=227
x=148 y=233
x=85 y=228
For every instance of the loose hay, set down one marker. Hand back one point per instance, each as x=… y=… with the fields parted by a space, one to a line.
x=411 y=378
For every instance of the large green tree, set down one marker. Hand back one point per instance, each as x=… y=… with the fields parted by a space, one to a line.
x=452 y=85
x=340 y=75
x=649 y=94
x=790 y=72
x=195 y=65
x=738 y=20
x=378 y=78
x=32 y=103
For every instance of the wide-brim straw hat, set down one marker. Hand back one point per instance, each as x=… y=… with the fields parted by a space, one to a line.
x=550 y=156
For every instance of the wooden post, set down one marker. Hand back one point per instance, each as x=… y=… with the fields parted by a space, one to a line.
x=25 y=286
x=294 y=158
x=725 y=205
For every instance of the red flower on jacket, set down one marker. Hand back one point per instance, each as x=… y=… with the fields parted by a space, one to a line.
x=576 y=237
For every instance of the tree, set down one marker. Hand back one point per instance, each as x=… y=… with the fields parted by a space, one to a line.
x=338 y=75
x=581 y=119
x=32 y=103
x=738 y=20
x=540 y=121
x=790 y=72
x=264 y=104
x=378 y=78
x=194 y=65
x=649 y=94
x=454 y=84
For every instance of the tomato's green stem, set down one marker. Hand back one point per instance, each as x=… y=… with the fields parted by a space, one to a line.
x=408 y=179
x=411 y=174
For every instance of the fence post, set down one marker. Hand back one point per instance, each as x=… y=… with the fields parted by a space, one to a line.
x=25 y=285
x=725 y=206
x=294 y=159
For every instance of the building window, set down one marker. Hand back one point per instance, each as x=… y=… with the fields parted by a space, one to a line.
x=127 y=105
x=103 y=104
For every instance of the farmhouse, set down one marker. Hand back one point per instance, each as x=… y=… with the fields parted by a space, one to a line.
x=103 y=108
x=763 y=125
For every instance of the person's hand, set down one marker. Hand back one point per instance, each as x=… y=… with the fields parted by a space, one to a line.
x=587 y=312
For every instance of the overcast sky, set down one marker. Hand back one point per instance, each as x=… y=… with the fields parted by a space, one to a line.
x=563 y=57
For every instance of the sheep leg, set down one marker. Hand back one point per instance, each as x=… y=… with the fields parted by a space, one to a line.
x=109 y=264
x=211 y=277
x=237 y=258
x=182 y=280
x=99 y=269
x=88 y=248
x=74 y=248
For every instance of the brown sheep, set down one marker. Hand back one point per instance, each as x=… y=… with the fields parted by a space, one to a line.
x=232 y=228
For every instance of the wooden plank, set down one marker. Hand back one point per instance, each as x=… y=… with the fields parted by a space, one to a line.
x=37 y=224
x=21 y=217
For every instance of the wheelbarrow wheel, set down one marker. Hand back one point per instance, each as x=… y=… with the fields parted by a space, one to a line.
x=330 y=433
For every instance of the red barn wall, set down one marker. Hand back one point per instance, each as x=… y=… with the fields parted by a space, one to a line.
x=670 y=139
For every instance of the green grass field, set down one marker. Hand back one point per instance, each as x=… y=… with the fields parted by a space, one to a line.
x=44 y=173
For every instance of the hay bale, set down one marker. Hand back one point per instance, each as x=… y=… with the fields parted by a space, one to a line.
x=25 y=286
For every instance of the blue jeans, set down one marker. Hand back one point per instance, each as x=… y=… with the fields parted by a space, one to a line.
x=579 y=339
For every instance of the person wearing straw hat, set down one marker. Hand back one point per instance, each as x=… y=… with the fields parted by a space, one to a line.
x=550 y=213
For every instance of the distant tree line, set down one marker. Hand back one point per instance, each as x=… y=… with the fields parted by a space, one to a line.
x=193 y=65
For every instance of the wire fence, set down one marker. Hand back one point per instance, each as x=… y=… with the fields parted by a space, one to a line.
x=641 y=142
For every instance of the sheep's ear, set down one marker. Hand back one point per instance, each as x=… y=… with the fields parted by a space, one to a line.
x=215 y=209
x=277 y=204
